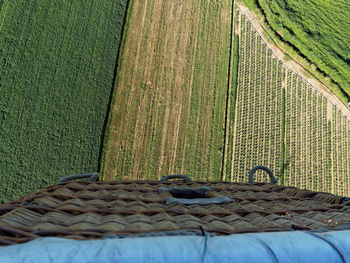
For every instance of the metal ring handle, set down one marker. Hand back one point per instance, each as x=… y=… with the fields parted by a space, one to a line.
x=176 y=176
x=261 y=167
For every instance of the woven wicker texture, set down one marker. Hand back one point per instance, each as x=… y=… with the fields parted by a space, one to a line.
x=87 y=210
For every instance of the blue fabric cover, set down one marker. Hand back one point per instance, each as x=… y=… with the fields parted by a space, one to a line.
x=295 y=246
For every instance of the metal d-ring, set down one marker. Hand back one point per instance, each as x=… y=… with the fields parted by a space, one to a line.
x=261 y=167
x=176 y=176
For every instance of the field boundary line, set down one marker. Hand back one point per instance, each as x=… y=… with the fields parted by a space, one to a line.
x=238 y=80
x=119 y=59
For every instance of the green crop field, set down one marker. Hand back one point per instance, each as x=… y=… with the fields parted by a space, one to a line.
x=56 y=74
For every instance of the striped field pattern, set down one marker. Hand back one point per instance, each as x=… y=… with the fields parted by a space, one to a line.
x=209 y=96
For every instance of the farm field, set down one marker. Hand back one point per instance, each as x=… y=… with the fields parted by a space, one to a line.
x=56 y=75
x=140 y=89
x=168 y=108
x=319 y=30
x=286 y=121
x=201 y=91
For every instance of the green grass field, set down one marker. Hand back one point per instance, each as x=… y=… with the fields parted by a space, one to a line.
x=56 y=74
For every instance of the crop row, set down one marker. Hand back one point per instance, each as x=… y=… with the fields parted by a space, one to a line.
x=306 y=143
x=340 y=153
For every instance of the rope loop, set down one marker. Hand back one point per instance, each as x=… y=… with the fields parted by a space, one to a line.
x=175 y=176
x=261 y=167
x=92 y=177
